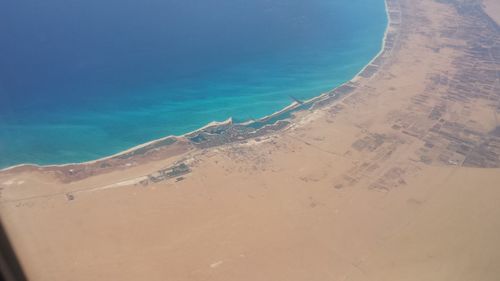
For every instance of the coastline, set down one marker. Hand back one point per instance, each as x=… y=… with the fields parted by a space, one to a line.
x=312 y=101
x=355 y=188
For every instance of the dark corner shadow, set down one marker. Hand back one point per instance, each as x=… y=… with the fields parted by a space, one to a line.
x=10 y=268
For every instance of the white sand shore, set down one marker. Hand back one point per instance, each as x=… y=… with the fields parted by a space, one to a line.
x=396 y=181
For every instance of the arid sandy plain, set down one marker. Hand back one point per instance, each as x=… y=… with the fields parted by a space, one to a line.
x=396 y=179
x=492 y=8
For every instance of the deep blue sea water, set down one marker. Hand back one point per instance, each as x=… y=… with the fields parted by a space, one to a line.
x=83 y=79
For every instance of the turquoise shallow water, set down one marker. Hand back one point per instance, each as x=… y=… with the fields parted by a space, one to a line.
x=69 y=100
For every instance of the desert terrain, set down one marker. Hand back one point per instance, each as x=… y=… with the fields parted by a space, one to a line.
x=393 y=176
x=492 y=8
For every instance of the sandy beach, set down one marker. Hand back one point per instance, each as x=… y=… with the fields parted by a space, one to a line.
x=393 y=176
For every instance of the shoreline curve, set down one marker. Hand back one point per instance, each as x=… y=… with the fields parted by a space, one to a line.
x=228 y=121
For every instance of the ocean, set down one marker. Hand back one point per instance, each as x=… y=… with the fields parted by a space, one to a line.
x=80 y=80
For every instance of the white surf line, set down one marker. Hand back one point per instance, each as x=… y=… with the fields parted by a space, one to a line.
x=384 y=41
x=92 y=161
x=319 y=97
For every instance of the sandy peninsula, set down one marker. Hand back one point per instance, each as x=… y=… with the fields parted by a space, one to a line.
x=393 y=176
